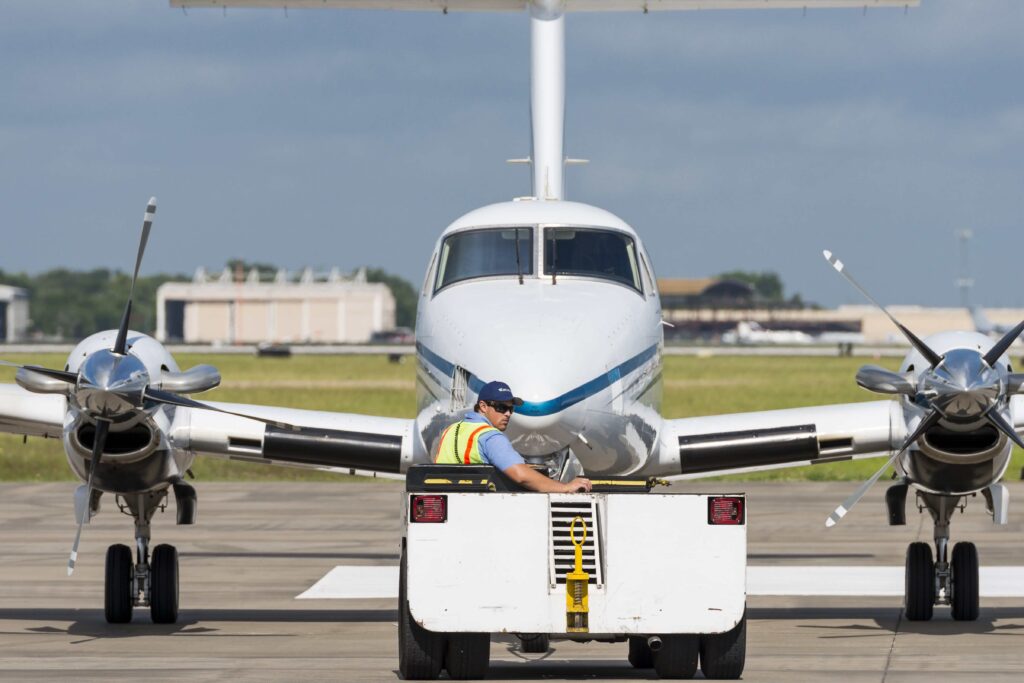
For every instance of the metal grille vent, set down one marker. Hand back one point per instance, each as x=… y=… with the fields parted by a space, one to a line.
x=460 y=389
x=563 y=552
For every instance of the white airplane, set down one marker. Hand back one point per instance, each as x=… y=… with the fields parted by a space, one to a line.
x=579 y=336
x=751 y=332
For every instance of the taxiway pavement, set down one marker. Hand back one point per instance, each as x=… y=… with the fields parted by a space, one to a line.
x=258 y=545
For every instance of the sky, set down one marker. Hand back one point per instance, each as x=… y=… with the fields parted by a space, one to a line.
x=729 y=140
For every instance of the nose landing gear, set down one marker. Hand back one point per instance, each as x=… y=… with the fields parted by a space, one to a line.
x=149 y=581
x=938 y=581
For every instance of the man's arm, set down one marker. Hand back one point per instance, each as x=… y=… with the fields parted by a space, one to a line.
x=498 y=451
x=527 y=477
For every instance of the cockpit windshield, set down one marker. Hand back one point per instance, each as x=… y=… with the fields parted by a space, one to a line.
x=485 y=253
x=605 y=254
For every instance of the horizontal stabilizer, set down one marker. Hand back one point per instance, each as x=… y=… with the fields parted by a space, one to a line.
x=570 y=5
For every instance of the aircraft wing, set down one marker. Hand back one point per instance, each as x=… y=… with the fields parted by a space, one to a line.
x=748 y=442
x=22 y=412
x=570 y=5
x=336 y=442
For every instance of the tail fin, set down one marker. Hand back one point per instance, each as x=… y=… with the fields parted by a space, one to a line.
x=981 y=322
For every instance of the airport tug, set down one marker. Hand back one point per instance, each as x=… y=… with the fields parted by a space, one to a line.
x=627 y=562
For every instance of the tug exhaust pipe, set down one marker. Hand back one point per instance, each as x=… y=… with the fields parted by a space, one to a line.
x=654 y=642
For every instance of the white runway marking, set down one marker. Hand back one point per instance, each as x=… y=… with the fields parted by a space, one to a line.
x=346 y=581
x=353 y=582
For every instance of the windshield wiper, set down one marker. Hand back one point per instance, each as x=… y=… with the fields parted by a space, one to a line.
x=519 y=265
x=554 y=257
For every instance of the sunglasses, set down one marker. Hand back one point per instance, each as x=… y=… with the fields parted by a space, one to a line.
x=501 y=407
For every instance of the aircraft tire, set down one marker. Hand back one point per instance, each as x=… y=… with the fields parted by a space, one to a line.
x=723 y=655
x=965 y=601
x=920 y=582
x=163 y=568
x=640 y=655
x=117 y=594
x=420 y=652
x=467 y=655
x=535 y=644
x=677 y=657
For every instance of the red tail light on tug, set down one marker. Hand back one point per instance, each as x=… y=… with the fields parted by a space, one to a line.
x=429 y=509
x=725 y=510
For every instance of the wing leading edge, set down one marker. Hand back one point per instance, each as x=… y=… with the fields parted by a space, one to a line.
x=336 y=442
x=750 y=442
x=22 y=412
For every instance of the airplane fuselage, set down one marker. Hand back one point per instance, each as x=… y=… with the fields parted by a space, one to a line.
x=578 y=336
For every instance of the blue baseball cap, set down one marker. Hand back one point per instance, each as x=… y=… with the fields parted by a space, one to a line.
x=498 y=391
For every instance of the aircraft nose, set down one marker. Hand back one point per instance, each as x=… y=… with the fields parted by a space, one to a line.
x=556 y=346
x=556 y=375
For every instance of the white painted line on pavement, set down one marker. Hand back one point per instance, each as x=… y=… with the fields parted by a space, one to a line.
x=346 y=581
x=353 y=582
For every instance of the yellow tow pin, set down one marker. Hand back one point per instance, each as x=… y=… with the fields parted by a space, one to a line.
x=577 y=581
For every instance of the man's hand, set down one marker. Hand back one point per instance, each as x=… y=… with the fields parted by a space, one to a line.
x=577 y=485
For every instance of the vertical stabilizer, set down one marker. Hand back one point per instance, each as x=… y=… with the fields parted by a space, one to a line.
x=547 y=96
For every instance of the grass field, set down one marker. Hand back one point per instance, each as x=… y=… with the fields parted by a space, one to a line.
x=372 y=385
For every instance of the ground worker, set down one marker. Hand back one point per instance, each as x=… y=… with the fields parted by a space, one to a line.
x=478 y=440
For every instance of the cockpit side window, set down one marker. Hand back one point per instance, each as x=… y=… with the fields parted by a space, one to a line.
x=605 y=254
x=487 y=252
x=652 y=284
x=427 y=278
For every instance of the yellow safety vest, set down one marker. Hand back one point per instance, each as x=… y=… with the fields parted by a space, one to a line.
x=460 y=444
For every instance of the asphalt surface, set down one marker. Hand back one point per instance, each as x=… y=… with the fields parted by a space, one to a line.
x=257 y=546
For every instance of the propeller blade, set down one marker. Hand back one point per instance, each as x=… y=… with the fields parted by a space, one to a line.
x=933 y=358
x=122 y=331
x=882 y=381
x=1000 y=423
x=63 y=375
x=102 y=426
x=847 y=505
x=993 y=354
x=169 y=398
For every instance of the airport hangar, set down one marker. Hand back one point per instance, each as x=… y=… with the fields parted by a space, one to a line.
x=230 y=308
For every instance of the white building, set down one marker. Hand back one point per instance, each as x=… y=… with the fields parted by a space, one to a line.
x=14 y=318
x=230 y=309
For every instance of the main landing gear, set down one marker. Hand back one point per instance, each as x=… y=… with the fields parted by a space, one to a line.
x=151 y=580
x=937 y=580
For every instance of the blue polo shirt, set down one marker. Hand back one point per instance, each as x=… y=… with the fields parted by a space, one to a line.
x=495 y=448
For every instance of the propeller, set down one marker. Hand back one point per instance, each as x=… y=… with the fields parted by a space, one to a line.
x=961 y=386
x=102 y=427
x=147 y=224
x=921 y=347
x=1000 y=347
x=172 y=399
x=122 y=332
x=62 y=375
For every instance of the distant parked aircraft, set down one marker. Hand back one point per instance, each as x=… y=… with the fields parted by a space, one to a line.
x=750 y=332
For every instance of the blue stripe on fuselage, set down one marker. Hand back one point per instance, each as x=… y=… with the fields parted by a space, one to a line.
x=552 y=406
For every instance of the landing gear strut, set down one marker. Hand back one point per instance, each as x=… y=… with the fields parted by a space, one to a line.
x=151 y=582
x=938 y=581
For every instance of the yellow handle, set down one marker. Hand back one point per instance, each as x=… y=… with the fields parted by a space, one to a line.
x=572 y=531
